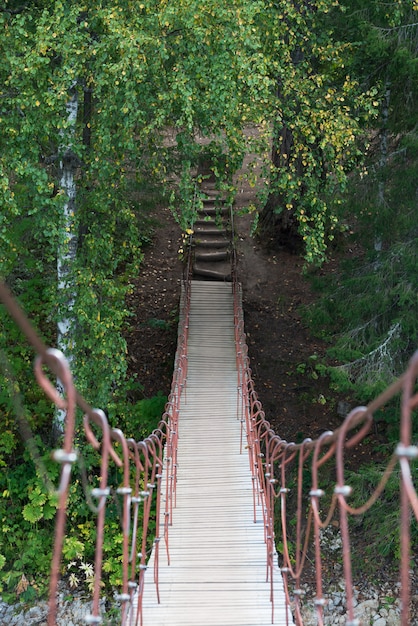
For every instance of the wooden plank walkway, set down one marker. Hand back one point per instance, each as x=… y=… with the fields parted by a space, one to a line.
x=218 y=556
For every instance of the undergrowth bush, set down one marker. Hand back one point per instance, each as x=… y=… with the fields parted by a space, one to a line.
x=367 y=312
x=375 y=335
x=377 y=532
x=28 y=507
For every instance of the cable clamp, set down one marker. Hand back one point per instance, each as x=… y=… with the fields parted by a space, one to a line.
x=122 y=597
x=299 y=592
x=100 y=493
x=124 y=491
x=60 y=456
x=136 y=499
x=132 y=584
x=317 y=493
x=410 y=452
x=344 y=490
x=320 y=602
x=284 y=490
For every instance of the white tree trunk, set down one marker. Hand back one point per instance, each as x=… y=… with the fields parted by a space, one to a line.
x=68 y=248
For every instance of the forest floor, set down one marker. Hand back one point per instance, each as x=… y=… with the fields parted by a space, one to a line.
x=297 y=402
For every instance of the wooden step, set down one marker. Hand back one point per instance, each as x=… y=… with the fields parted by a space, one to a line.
x=216 y=270
x=224 y=211
x=211 y=255
x=201 y=222
x=210 y=241
x=208 y=228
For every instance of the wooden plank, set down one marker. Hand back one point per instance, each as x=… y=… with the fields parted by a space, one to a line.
x=217 y=575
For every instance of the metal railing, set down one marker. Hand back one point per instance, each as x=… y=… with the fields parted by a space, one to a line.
x=141 y=464
x=271 y=458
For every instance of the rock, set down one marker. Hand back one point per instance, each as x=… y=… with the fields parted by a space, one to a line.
x=371 y=605
x=69 y=614
x=367 y=601
x=394 y=618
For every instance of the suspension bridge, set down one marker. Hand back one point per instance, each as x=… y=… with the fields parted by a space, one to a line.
x=217 y=571
x=216 y=476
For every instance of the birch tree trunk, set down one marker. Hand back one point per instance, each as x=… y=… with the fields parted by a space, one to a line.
x=67 y=249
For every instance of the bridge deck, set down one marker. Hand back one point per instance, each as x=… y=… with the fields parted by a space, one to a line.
x=217 y=575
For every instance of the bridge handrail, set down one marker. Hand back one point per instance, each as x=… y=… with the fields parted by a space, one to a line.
x=271 y=456
x=143 y=460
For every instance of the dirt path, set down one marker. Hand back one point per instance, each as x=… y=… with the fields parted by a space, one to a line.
x=280 y=345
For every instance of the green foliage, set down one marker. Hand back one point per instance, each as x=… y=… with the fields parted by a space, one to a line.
x=338 y=67
x=28 y=506
x=382 y=43
x=135 y=71
x=312 y=369
x=139 y=419
x=385 y=217
x=27 y=510
x=316 y=115
x=375 y=336
x=378 y=528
